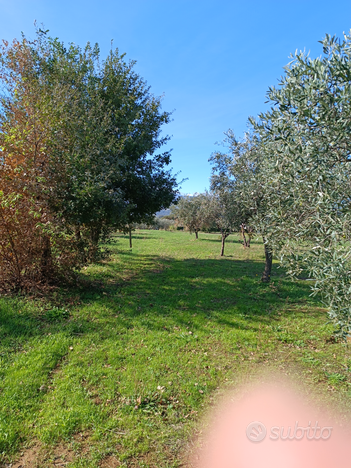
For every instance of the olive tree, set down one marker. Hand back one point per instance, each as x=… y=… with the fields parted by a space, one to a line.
x=190 y=212
x=220 y=213
x=306 y=156
x=238 y=175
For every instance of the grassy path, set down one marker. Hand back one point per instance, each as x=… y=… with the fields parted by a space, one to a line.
x=118 y=373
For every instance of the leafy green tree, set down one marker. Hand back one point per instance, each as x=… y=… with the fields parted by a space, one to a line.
x=305 y=146
x=36 y=247
x=110 y=128
x=220 y=212
x=238 y=176
x=148 y=189
x=96 y=149
x=190 y=212
x=164 y=222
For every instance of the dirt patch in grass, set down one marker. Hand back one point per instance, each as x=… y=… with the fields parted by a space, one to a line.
x=40 y=456
x=31 y=457
x=110 y=462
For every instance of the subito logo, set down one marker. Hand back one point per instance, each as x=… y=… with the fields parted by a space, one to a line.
x=256 y=431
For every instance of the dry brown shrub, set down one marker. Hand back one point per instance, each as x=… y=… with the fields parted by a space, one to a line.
x=36 y=246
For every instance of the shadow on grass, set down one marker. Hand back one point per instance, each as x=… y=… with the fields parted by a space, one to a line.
x=134 y=236
x=218 y=239
x=155 y=293
x=217 y=289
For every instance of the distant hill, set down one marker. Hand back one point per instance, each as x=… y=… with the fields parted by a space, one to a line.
x=161 y=213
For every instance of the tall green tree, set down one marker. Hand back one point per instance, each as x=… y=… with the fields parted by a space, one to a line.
x=148 y=189
x=116 y=172
x=36 y=246
x=238 y=175
x=88 y=131
x=306 y=172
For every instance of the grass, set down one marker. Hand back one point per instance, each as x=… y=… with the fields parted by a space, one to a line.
x=119 y=372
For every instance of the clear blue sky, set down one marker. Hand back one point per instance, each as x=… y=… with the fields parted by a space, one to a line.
x=212 y=60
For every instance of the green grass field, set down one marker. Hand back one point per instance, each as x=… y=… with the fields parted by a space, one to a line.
x=120 y=370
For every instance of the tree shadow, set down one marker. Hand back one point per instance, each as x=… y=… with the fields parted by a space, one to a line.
x=229 y=239
x=223 y=290
x=160 y=293
x=134 y=236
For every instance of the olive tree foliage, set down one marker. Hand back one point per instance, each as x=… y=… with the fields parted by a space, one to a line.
x=190 y=212
x=220 y=213
x=305 y=146
x=214 y=210
x=238 y=176
x=164 y=223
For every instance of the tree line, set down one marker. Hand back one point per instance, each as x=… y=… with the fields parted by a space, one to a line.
x=80 y=156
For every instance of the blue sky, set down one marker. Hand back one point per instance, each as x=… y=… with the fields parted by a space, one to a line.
x=212 y=61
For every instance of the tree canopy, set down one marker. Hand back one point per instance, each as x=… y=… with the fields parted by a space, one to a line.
x=80 y=139
x=292 y=173
x=190 y=212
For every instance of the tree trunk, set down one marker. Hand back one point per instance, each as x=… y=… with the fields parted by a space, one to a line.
x=46 y=259
x=223 y=242
x=250 y=235
x=242 y=226
x=196 y=235
x=80 y=243
x=266 y=275
x=248 y=242
x=244 y=237
x=130 y=239
x=95 y=235
x=78 y=234
x=95 y=232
